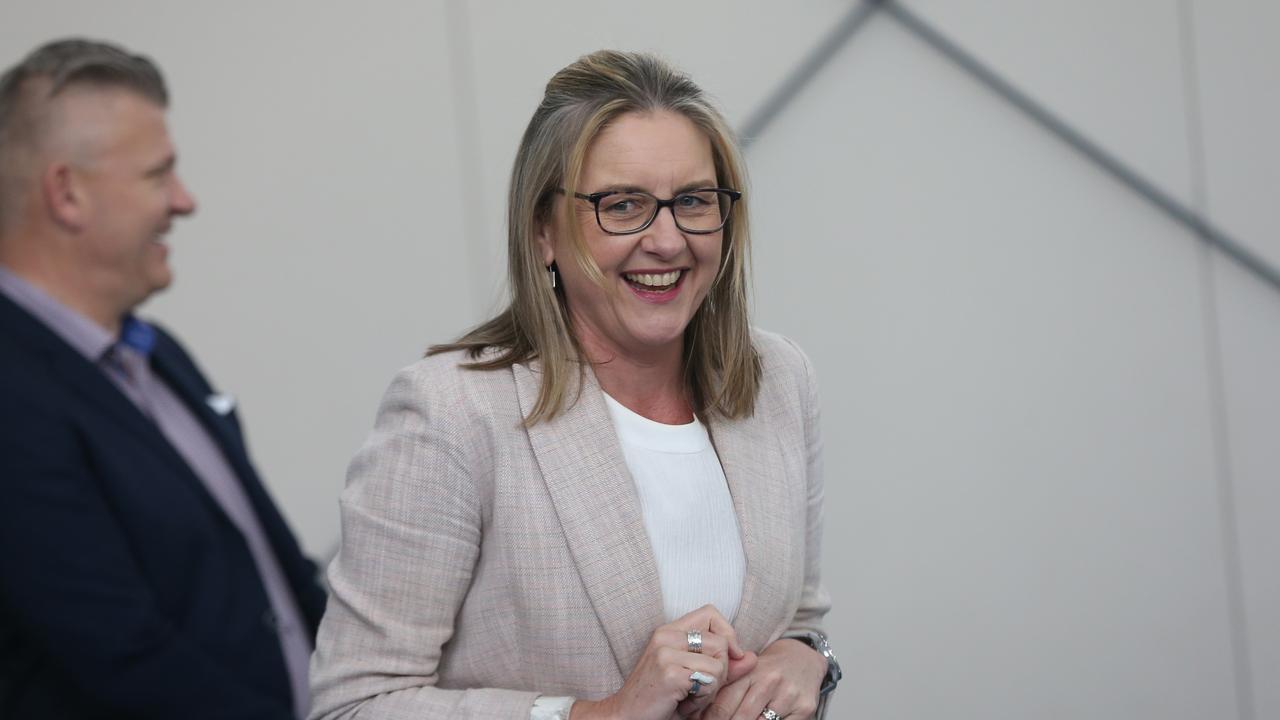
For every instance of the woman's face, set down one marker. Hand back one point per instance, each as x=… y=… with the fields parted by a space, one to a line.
x=655 y=279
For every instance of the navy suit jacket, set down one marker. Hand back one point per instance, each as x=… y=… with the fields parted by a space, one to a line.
x=125 y=591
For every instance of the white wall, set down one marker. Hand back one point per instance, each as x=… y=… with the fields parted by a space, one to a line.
x=1052 y=476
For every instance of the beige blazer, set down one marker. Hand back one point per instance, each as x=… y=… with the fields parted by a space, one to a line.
x=483 y=564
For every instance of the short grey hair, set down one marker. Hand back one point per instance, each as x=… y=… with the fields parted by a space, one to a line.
x=27 y=88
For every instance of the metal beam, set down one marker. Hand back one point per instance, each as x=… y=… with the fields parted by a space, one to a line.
x=821 y=56
x=808 y=68
x=1184 y=215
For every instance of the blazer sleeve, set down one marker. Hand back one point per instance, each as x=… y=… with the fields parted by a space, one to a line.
x=814 y=600
x=69 y=582
x=411 y=531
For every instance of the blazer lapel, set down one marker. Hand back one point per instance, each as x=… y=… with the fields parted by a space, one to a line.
x=752 y=461
x=598 y=508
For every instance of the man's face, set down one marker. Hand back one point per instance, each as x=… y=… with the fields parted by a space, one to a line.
x=131 y=191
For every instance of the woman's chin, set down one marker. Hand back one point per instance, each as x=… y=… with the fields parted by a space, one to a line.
x=660 y=338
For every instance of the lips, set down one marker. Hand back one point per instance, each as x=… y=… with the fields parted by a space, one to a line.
x=654 y=282
x=656 y=287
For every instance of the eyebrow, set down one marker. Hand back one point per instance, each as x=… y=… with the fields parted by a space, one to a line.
x=163 y=166
x=625 y=188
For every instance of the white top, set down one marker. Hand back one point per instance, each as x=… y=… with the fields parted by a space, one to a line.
x=688 y=512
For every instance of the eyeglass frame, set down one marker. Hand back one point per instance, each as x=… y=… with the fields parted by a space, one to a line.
x=595 y=198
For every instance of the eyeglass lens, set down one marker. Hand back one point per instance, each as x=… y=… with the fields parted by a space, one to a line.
x=698 y=211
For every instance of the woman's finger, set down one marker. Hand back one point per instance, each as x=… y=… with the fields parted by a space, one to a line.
x=693 y=705
x=713 y=648
x=708 y=618
x=739 y=667
x=711 y=644
x=754 y=703
x=725 y=703
x=708 y=666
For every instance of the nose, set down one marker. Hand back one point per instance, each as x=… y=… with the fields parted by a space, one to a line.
x=182 y=202
x=663 y=238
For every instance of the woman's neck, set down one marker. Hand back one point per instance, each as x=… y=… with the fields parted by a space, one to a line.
x=652 y=385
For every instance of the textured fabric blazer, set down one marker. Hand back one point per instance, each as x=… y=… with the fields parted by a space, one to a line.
x=125 y=591
x=483 y=564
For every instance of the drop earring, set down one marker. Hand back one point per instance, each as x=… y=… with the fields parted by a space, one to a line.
x=551 y=270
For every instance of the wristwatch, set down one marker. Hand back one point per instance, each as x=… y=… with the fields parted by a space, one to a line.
x=818 y=642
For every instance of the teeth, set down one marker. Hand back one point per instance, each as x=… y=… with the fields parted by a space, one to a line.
x=652 y=280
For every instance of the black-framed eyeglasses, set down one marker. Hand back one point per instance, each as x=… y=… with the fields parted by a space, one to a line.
x=623 y=212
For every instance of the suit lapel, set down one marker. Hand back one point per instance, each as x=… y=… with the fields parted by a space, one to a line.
x=193 y=391
x=598 y=508
x=195 y=397
x=88 y=381
x=751 y=458
x=80 y=374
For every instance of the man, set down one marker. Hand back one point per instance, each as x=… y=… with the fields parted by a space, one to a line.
x=144 y=571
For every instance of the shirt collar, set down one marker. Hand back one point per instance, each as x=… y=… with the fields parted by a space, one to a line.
x=137 y=335
x=84 y=335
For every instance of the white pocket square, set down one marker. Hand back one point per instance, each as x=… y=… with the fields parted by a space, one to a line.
x=221 y=403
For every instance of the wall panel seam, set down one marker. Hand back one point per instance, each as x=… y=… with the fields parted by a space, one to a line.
x=1216 y=378
x=466 y=119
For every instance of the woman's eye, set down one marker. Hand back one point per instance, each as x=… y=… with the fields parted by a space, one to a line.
x=692 y=201
x=622 y=205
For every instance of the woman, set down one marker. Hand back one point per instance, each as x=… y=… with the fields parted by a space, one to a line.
x=606 y=501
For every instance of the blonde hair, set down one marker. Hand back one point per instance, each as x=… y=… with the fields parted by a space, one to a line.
x=720 y=365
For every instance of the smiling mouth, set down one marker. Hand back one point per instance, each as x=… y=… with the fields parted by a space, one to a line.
x=654 y=282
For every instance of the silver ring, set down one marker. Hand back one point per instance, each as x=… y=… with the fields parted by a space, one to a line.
x=695 y=641
x=694 y=688
x=770 y=715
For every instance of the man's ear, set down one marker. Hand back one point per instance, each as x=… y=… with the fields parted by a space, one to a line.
x=65 y=196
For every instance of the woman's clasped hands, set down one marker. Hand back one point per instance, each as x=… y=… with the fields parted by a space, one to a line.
x=701 y=646
x=782 y=683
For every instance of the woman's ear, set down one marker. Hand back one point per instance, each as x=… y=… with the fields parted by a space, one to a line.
x=545 y=243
